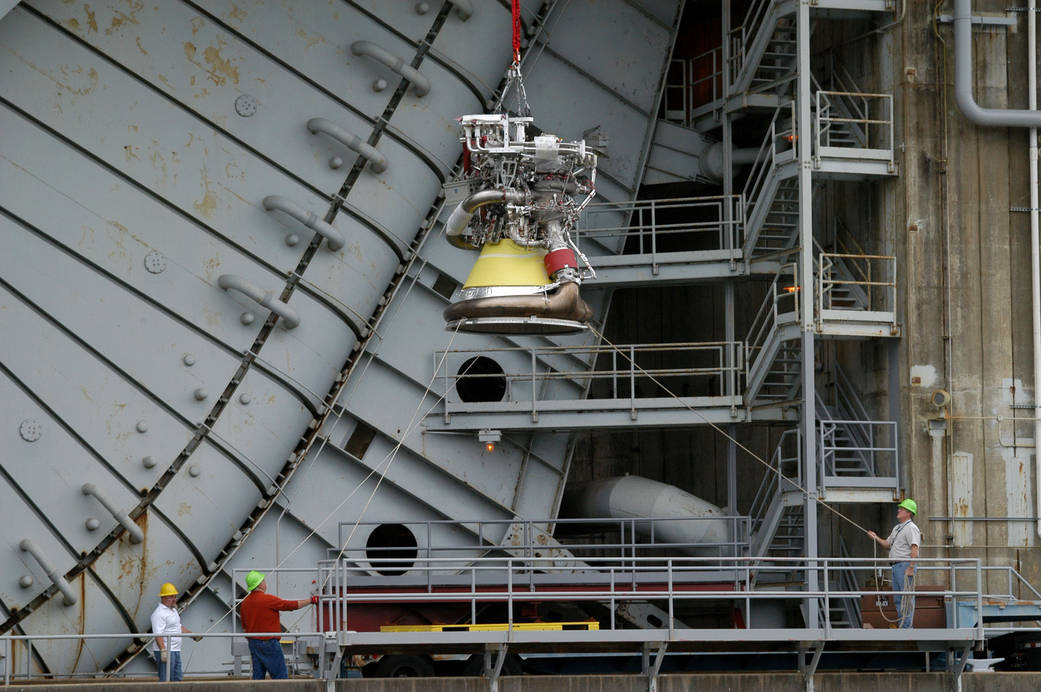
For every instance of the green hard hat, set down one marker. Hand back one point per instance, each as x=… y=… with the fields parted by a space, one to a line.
x=254 y=578
x=910 y=505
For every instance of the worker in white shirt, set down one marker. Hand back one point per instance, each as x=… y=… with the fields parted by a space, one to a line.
x=167 y=621
x=904 y=543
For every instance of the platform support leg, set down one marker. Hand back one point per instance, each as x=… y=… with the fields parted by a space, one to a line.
x=957 y=658
x=808 y=668
x=493 y=670
x=651 y=668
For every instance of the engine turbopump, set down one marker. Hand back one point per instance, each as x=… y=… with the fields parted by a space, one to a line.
x=516 y=205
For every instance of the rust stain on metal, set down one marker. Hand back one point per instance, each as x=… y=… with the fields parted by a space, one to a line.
x=122 y=18
x=219 y=69
x=92 y=21
x=236 y=12
x=140 y=47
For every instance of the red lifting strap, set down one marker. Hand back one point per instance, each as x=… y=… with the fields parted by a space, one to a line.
x=516 y=31
x=559 y=259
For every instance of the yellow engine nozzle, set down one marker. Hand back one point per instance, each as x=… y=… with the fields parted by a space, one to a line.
x=506 y=263
x=509 y=292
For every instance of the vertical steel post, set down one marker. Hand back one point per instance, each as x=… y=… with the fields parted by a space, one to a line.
x=809 y=413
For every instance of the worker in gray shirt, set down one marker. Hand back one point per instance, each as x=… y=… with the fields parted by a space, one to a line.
x=903 y=543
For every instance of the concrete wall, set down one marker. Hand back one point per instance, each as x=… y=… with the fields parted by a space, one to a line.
x=756 y=682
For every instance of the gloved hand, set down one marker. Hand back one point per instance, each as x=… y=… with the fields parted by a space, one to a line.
x=164 y=655
x=314 y=599
x=197 y=637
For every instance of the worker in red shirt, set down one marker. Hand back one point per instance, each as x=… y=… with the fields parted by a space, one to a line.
x=259 y=613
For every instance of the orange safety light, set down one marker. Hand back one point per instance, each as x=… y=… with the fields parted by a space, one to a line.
x=489 y=446
x=791 y=289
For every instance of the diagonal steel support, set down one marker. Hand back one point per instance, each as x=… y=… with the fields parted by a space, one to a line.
x=651 y=669
x=493 y=670
x=808 y=668
x=957 y=658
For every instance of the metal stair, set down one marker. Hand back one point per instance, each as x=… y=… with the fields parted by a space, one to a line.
x=763 y=47
x=771 y=191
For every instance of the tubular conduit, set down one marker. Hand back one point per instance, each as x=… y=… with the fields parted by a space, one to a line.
x=234 y=282
x=462 y=214
x=136 y=535
x=420 y=84
x=635 y=497
x=377 y=161
x=565 y=303
x=68 y=597
x=1035 y=246
x=991 y=117
x=1011 y=117
x=308 y=218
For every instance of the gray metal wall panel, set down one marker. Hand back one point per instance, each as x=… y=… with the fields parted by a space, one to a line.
x=51 y=471
x=134 y=572
x=598 y=32
x=480 y=47
x=54 y=618
x=21 y=522
x=208 y=507
x=98 y=403
x=314 y=38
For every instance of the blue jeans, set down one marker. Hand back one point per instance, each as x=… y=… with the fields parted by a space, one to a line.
x=267 y=658
x=175 y=666
x=900 y=584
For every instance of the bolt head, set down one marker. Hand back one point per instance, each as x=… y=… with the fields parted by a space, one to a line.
x=188 y=359
x=379 y=85
x=247 y=318
x=148 y=462
x=142 y=426
x=335 y=162
x=92 y=524
x=30 y=429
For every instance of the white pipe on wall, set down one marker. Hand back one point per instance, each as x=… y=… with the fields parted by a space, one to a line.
x=1035 y=262
x=636 y=497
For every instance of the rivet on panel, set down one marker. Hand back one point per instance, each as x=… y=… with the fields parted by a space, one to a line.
x=335 y=162
x=155 y=263
x=92 y=524
x=25 y=581
x=422 y=8
x=148 y=462
x=245 y=399
x=194 y=471
x=188 y=359
x=247 y=317
x=142 y=426
x=200 y=394
x=30 y=430
x=379 y=85
x=246 y=105
x=292 y=239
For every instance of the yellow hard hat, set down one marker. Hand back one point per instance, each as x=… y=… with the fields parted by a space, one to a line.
x=167 y=589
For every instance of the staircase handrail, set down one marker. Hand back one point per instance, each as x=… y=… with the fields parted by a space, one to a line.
x=857 y=117
x=854 y=266
x=740 y=35
x=766 y=318
x=770 y=485
x=766 y=157
x=848 y=582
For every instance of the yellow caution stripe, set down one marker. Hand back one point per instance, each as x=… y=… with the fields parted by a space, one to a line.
x=495 y=627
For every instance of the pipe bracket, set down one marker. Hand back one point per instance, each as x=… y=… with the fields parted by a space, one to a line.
x=377 y=161
x=308 y=218
x=368 y=49
x=136 y=535
x=68 y=597
x=234 y=282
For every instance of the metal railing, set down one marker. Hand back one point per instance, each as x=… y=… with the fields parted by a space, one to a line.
x=658 y=225
x=745 y=33
x=784 y=464
x=848 y=282
x=835 y=444
x=779 y=306
x=628 y=372
x=519 y=582
x=853 y=125
x=9 y=659
x=573 y=539
x=779 y=145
